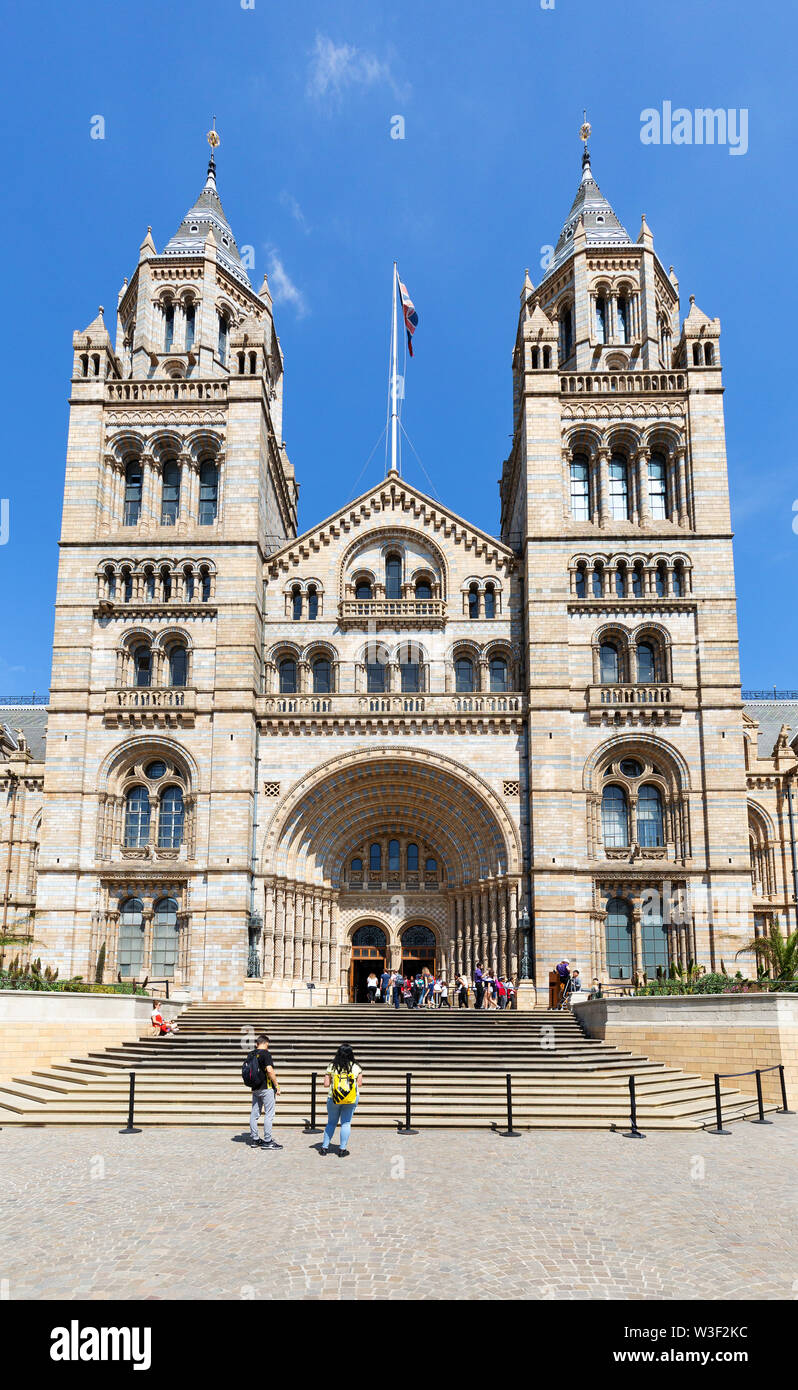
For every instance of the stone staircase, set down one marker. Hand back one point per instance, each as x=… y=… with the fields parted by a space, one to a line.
x=458 y=1060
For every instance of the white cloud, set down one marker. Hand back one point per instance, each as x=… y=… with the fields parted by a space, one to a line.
x=289 y=201
x=283 y=289
x=336 y=68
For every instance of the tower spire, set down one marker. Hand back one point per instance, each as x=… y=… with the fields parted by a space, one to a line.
x=214 y=141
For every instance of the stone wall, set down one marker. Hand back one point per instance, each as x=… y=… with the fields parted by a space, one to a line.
x=40 y=1028
x=705 y=1033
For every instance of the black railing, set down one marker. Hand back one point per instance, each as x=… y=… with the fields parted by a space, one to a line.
x=757 y=1072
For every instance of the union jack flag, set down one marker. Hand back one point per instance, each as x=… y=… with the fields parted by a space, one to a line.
x=411 y=317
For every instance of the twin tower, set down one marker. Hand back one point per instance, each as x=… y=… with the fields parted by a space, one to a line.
x=276 y=759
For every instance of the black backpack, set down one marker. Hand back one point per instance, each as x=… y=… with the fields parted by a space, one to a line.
x=251 y=1073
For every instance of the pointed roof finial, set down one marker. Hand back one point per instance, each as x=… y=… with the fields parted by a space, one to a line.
x=214 y=142
x=584 y=136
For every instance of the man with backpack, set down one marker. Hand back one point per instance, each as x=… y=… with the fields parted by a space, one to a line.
x=258 y=1073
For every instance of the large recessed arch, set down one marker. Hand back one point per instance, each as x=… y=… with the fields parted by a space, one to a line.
x=420 y=792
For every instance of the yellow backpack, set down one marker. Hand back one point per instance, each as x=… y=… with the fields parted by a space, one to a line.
x=344 y=1087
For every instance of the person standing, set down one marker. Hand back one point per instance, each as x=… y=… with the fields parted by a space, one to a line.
x=501 y=992
x=385 y=984
x=396 y=988
x=479 y=987
x=344 y=1078
x=371 y=987
x=258 y=1073
x=444 y=994
x=461 y=990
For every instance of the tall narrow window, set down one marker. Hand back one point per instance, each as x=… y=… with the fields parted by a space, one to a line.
x=463 y=674
x=473 y=601
x=619 y=489
x=296 y=604
x=412 y=858
x=393 y=578
x=188 y=584
x=654 y=936
x=178 y=665
x=619 y=939
x=658 y=487
x=410 y=673
x=287 y=674
x=662 y=581
x=580 y=490
x=375 y=677
x=646 y=663
x=149 y=584
x=650 y=821
x=637 y=581
x=614 y=818
x=127 y=586
x=169 y=327
x=566 y=333
x=609 y=663
x=620 y=579
x=322 y=676
x=166 y=585
x=205 y=582
x=110 y=583
x=490 y=601
x=133 y=481
x=375 y=858
x=363 y=592
x=142 y=666
x=498 y=675
x=209 y=493
x=131 y=939
x=678 y=580
x=423 y=589
x=191 y=320
x=598 y=580
x=164 y=939
x=623 y=318
x=313 y=603
x=223 y=339
x=137 y=818
x=581 y=582
x=393 y=855
x=601 y=319
x=170 y=819
x=170 y=496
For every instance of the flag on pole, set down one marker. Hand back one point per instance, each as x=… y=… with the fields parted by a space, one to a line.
x=410 y=315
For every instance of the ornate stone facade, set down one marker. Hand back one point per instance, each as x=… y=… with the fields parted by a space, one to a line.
x=276 y=759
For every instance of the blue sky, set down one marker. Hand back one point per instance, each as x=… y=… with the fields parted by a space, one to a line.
x=310 y=177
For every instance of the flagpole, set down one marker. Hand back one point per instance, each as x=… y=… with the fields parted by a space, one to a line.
x=394 y=384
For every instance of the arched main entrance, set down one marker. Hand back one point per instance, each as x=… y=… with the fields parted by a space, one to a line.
x=419 y=950
x=369 y=953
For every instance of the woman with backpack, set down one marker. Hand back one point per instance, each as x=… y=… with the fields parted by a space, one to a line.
x=344 y=1078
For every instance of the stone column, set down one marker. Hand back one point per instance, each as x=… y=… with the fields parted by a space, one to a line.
x=513 y=930
x=493 y=926
x=502 y=894
x=637 y=943
x=604 y=486
x=268 y=932
x=315 y=941
x=643 y=455
x=681 y=471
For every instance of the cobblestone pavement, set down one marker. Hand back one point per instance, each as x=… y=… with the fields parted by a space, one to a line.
x=556 y=1215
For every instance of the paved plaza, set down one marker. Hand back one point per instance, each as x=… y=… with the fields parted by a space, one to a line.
x=195 y=1214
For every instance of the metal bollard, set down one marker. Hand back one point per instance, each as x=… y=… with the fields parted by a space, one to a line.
x=784 y=1107
x=406 y=1128
x=509 y=1132
x=760 y=1102
x=718 y=1110
x=311 y=1127
x=130 y=1128
x=634 y=1132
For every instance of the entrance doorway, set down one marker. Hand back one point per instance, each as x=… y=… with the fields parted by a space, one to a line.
x=418 y=950
x=369 y=954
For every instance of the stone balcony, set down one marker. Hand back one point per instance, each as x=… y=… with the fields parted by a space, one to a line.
x=150 y=707
x=635 y=704
x=352 y=710
x=393 y=613
x=166 y=391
